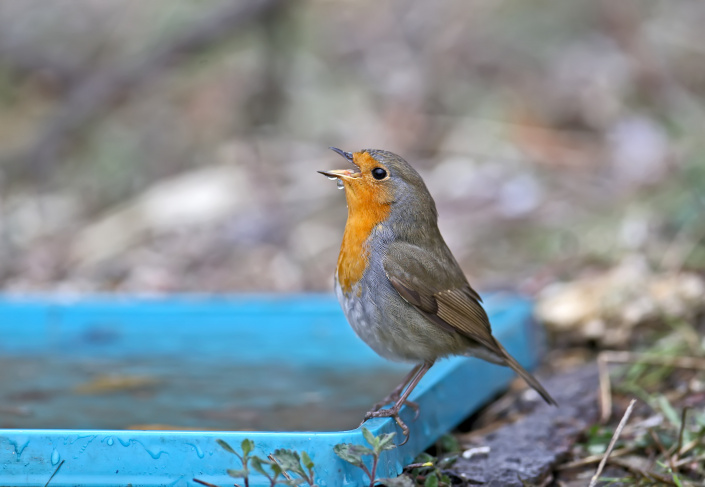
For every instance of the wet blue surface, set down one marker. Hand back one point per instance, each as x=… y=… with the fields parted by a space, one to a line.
x=97 y=365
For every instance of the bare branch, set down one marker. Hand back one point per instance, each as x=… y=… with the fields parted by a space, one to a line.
x=87 y=100
x=613 y=441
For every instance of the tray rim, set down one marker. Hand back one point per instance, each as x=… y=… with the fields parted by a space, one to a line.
x=510 y=314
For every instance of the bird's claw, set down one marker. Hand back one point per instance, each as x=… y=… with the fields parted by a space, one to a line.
x=415 y=407
x=393 y=412
x=393 y=398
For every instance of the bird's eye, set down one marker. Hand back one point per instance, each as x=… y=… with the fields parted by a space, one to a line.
x=379 y=173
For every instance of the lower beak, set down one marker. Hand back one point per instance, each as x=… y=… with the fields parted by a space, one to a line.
x=338 y=173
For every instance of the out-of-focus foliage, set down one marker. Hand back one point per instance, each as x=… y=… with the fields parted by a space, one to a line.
x=553 y=135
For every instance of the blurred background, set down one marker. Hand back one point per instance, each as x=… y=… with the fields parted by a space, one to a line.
x=172 y=145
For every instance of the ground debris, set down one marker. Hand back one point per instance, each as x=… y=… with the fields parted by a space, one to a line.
x=525 y=452
x=607 y=307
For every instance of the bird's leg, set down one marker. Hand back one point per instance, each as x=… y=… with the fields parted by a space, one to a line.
x=396 y=393
x=393 y=412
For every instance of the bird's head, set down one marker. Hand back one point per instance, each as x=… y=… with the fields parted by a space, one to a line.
x=382 y=181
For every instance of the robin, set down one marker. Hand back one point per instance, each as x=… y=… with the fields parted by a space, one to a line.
x=397 y=281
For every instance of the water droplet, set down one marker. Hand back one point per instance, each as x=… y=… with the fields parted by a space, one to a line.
x=199 y=452
x=333 y=178
x=55 y=457
x=340 y=184
x=110 y=441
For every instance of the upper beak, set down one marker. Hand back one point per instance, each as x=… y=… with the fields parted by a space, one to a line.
x=342 y=173
x=347 y=155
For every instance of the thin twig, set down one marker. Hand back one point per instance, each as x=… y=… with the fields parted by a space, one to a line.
x=663 y=449
x=55 y=472
x=613 y=441
x=411 y=466
x=286 y=475
x=677 y=451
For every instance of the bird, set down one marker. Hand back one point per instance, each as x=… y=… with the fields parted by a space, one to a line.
x=400 y=288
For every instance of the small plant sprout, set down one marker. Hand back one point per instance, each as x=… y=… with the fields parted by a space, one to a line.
x=428 y=471
x=247 y=446
x=283 y=467
x=354 y=454
x=290 y=461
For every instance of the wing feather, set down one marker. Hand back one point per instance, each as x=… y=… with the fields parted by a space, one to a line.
x=449 y=302
x=438 y=289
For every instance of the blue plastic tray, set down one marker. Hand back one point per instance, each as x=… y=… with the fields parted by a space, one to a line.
x=236 y=334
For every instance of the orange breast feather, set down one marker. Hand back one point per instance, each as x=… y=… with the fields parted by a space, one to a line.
x=368 y=206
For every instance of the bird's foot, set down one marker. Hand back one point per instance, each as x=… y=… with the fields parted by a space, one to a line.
x=400 y=398
x=393 y=412
x=394 y=398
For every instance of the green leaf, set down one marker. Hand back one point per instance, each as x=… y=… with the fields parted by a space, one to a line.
x=369 y=437
x=425 y=458
x=226 y=447
x=448 y=461
x=247 y=446
x=275 y=468
x=352 y=453
x=256 y=464
x=386 y=442
x=288 y=459
x=308 y=463
x=597 y=440
x=431 y=480
x=449 y=443
x=238 y=474
x=671 y=415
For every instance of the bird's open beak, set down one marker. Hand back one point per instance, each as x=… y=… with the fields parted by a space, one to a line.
x=342 y=173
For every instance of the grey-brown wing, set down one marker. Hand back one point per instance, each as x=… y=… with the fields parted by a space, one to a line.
x=435 y=285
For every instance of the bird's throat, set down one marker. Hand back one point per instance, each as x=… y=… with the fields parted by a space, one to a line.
x=354 y=251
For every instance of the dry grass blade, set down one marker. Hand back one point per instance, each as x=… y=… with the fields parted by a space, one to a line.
x=613 y=441
x=595 y=458
x=661 y=479
x=695 y=363
x=605 y=358
x=605 y=387
x=689 y=446
x=686 y=461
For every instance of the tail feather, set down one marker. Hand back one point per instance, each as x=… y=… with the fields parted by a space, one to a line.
x=524 y=374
